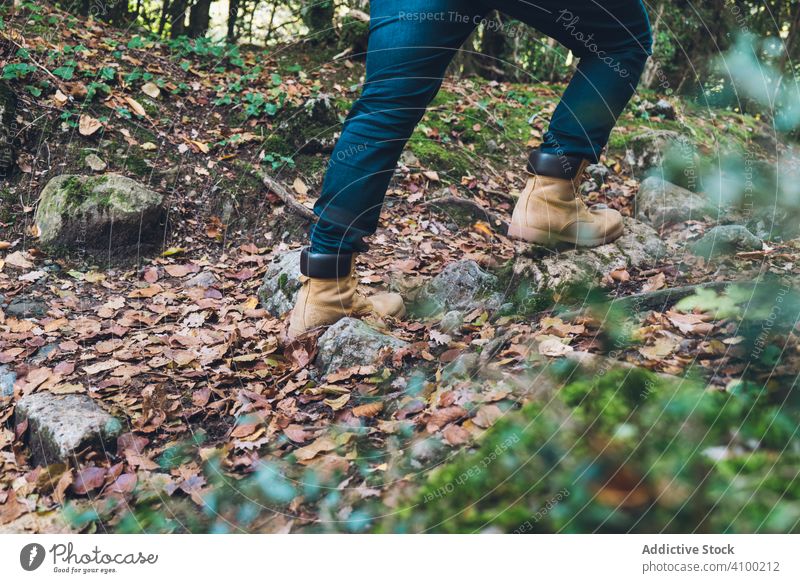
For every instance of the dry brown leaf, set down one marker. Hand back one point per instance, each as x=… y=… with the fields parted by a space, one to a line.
x=151 y=90
x=487 y=415
x=297 y=434
x=554 y=347
x=443 y=416
x=87 y=125
x=368 y=409
x=310 y=451
x=655 y=282
x=690 y=323
x=338 y=403
x=455 y=435
x=17 y=259
x=300 y=187
x=663 y=347
x=135 y=106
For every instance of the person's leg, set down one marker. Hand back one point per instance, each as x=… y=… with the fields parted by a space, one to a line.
x=411 y=43
x=612 y=39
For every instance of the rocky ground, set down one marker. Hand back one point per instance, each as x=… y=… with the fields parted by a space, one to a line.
x=146 y=269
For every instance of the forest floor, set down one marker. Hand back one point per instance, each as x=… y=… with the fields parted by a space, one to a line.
x=200 y=374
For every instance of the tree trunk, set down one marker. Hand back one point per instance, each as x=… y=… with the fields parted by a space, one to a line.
x=177 y=18
x=117 y=12
x=495 y=48
x=233 y=15
x=199 y=18
x=318 y=17
x=651 y=67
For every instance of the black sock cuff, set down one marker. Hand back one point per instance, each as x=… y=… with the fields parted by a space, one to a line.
x=554 y=165
x=325 y=265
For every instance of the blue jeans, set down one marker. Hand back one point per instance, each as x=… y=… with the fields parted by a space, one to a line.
x=411 y=43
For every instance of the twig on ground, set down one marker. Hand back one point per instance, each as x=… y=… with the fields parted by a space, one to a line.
x=292 y=204
x=476 y=211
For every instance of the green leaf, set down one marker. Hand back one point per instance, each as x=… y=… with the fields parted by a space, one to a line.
x=66 y=72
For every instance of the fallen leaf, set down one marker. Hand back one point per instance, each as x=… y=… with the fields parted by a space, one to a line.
x=663 y=347
x=310 y=451
x=88 y=479
x=151 y=90
x=368 y=409
x=124 y=484
x=690 y=323
x=300 y=187
x=554 y=347
x=455 y=435
x=337 y=403
x=655 y=282
x=296 y=433
x=443 y=416
x=17 y=259
x=487 y=415
x=135 y=106
x=87 y=125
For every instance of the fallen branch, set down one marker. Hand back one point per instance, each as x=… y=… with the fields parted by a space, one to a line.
x=475 y=210
x=292 y=204
x=658 y=300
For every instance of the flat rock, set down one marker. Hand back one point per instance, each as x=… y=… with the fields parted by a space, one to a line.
x=94 y=162
x=61 y=426
x=461 y=285
x=95 y=213
x=7 y=379
x=281 y=284
x=726 y=240
x=26 y=308
x=351 y=342
x=660 y=203
x=639 y=247
x=204 y=279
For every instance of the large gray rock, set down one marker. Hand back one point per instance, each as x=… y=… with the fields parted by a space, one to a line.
x=97 y=213
x=7 y=379
x=8 y=106
x=61 y=426
x=726 y=240
x=638 y=247
x=281 y=284
x=663 y=152
x=351 y=342
x=661 y=203
x=461 y=285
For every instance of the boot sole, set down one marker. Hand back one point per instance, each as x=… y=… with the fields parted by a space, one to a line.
x=548 y=239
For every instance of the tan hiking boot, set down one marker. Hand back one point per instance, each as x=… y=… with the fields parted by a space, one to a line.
x=550 y=211
x=330 y=293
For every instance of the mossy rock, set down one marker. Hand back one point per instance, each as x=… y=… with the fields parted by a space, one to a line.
x=93 y=214
x=355 y=33
x=312 y=126
x=450 y=163
x=8 y=104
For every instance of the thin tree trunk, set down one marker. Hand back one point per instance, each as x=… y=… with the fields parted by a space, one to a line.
x=177 y=18
x=199 y=18
x=233 y=15
x=651 y=67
